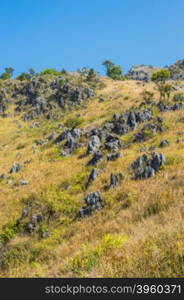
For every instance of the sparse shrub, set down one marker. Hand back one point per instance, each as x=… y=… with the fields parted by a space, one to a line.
x=147 y=95
x=21 y=146
x=159 y=78
x=9 y=231
x=178 y=97
x=15 y=256
x=90 y=257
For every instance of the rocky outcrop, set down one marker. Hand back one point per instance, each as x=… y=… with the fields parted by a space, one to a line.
x=98 y=156
x=92 y=176
x=141 y=72
x=147 y=132
x=15 y=168
x=166 y=107
x=93 y=202
x=177 y=70
x=129 y=120
x=145 y=167
x=93 y=144
x=71 y=138
x=113 y=143
x=114 y=156
x=144 y=72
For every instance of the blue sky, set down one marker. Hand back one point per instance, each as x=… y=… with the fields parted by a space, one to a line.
x=75 y=33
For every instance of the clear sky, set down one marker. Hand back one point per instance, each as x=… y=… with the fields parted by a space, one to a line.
x=71 y=34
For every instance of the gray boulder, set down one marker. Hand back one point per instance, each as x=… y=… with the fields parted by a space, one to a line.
x=146 y=167
x=141 y=72
x=94 y=144
x=113 y=143
x=23 y=182
x=15 y=168
x=96 y=158
x=93 y=202
x=92 y=176
x=114 y=156
x=164 y=143
x=157 y=161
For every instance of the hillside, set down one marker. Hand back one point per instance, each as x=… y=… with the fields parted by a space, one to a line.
x=74 y=197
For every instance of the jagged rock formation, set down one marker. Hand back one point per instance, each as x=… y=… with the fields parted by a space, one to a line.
x=93 y=201
x=42 y=94
x=147 y=131
x=145 y=167
x=177 y=70
x=98 y=156
x=141 y=72
x=92 y=176
x=144 y=72
x=15 y=168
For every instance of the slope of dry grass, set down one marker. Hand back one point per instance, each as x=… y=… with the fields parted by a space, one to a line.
x=139 y=233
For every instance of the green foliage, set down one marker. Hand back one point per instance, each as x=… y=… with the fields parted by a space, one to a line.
x=161 y=75
x=91 y=75
x=27 y=75
x=90 y=257
x=7 y=74
x=15 y=256
x=24 y=76
x=160 y=78
x=167 y=89
x=9 y=231
x=31 y=71
x=73 y=122
x=50 y=72
x=178 y=97
x=113 y=71
x=21 y=146
x=63 y=71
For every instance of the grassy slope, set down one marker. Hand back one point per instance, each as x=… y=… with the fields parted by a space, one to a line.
x=139 y=232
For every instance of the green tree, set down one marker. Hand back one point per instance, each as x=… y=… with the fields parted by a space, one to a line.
x=159 y=78
x=31 y=71
x=113 y=71
x=7 y=74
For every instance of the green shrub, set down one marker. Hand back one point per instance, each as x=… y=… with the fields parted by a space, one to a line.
x=9 y=231
x=178 y=97
x=73 y=122
x=50 y=72
x=147 y=95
